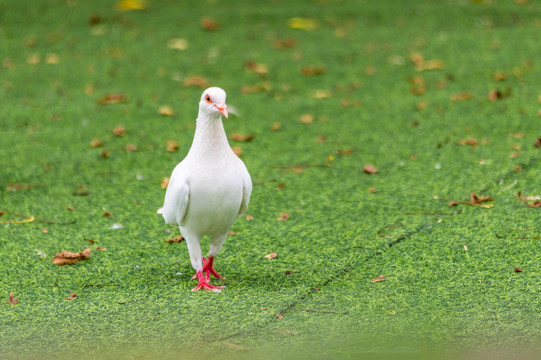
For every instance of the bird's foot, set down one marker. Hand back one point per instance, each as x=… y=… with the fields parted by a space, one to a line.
x=204 y=283
x=208 y=269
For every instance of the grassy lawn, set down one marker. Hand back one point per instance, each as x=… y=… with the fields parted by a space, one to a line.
x=441 y=97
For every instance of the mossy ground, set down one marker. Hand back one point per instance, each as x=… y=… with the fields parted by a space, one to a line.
x=450 y=285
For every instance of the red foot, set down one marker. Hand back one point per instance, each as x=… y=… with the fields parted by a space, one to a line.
x=204 y=284
x=208 y=269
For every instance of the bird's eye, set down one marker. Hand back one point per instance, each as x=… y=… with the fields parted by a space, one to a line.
x=208 y=99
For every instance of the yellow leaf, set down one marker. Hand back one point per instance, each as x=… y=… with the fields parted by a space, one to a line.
x=177 y=44
x=301 y=23
x=129 y=5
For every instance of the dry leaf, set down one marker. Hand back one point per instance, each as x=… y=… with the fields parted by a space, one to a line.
x=44 y=230
x=172 y=146
x=33 y=59
x=235 y=346
x=344 y=152
x=177 y=44
x=277 y=125
x=12 y=300
x=418 y=85
x=119 y=131
x=370 y=169
x=257 y=88
x=107 y=214
x=131 y=5
x=209 y=23
x=165 y=110
x=112 y=99
x=452 y=203
x=461 y=96
x=70 y=208
x=301 y=23
x=237 y=150
x=499 y=76
x=494 y=95
x=175 y=239
x=104 y=154
x=289 y=272
x=259 y=69
x=373 y=190
x=537 y=143
x=51 y=59
x=96 y=143
x=165 y=183
x=241 y=138
x=313 y=70
x=69 y=258
x=271 y=255
x=476 y=200
x=196 y=81
x=321 y=94
x=525 y=198
x=233 y=233
x=378 y=279
x=283 y=216
x=99 y=248
x=284 y=44
x=280 y=316
x=249 y=217
x=468 y=141
x=307 y=118
x=131 y=147
x=518 y=270
x=72 y=296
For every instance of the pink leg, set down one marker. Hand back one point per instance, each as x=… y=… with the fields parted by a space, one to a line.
x=208 y=269
x=204 y=284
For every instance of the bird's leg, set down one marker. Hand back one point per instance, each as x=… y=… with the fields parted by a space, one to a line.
x=207 y=268
x=204 y=284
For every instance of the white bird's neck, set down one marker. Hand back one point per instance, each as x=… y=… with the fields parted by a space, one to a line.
x=210 y=139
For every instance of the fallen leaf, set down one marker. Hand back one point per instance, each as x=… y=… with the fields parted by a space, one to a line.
x=12 y=300
x=249 y=217
x=461 y=96
x=277 y=125
x=321 y=94
x=307 y=118
x=496 y=94
x=418 y=85
x=499 y=76
x=99 y=248
x=104 y=154
x=271 y=255
x=235 y=346
x=378 y=279
x=516 y=135
x=301 y=23
x=177 y=44
x=476 y=200
x=233 y=233
x=284 y=44
x=96 y=143
x=370 y=169
x=131 y=5
x=175 y=239
x=373 y=190
x=468 y=141
x=241 y=138
x=524 y=199
x=119 y=131
x=51 y=59
x=257 y=88
x=196 y=81
x=172 y=146
x=165 y=110
x=90 y=241
x=518 y=270
x=344 y=152
x=452 y=203
x=112 y=99
x=72 y=296
x=131 y=148
x=514 y=154
x=289 y=272
x=259 y=69
x=283 y=216
x=107 y=214
x=33 y=59
x=537 y=143
x=44 y=230
x=237 y=150
x=209 y=24
x=69 y=258
x=280 y=316
x=164 y=183
x=312 y=70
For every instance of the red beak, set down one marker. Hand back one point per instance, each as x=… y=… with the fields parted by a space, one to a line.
x=222 y=108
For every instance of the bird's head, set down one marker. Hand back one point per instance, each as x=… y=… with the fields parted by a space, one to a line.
x=213 y=102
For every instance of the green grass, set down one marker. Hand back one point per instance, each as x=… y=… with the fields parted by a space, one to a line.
x=439 y=297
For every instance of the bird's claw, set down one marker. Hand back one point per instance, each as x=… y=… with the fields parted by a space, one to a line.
x=204 y=283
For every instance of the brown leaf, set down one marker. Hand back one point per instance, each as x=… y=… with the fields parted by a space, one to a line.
x=233 y=233
x=172 y=146
x=209 y=24
x=313 y=70
x=72 y=296
x=44 y=230
x=345 y=152
x=289 y=272
x=131 y=147
x=237 y=150
x=452 y=203
x=271 y=255
x=96 y=143
x=235 y=346
x=107 y=214
x=196 y=81
x=496 y=94
x=372 y=190
x=277 y=125
x=119 y=131
x=99 y=248
x=525 y=198
x=518 y=270
x=175 y=239
x=537 y=143
x=112 y=99
x=468 y=141
x=283 y=216
x=418 y=85
x=165 y=183
x=280 y=316
x=378 y=279
x=249 y=217
x=461 y=96
x=284 y=44
x=257 y=88
x=69 y=258
x=259 y=69
x=514 y=154
x=104 y=154
x=307 y=118
x=12 y=300
x=241 y=137
x=70 y=208
x=165 y=110
x=90 y=241
x=476 y=200
x=499 y=76
x=51 y=59
x=370 y=169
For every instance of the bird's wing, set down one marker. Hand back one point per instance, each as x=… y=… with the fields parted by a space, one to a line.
x=177 y=197
x=246 y=191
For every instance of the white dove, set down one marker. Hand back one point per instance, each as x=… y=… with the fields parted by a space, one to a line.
x=208 y=189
